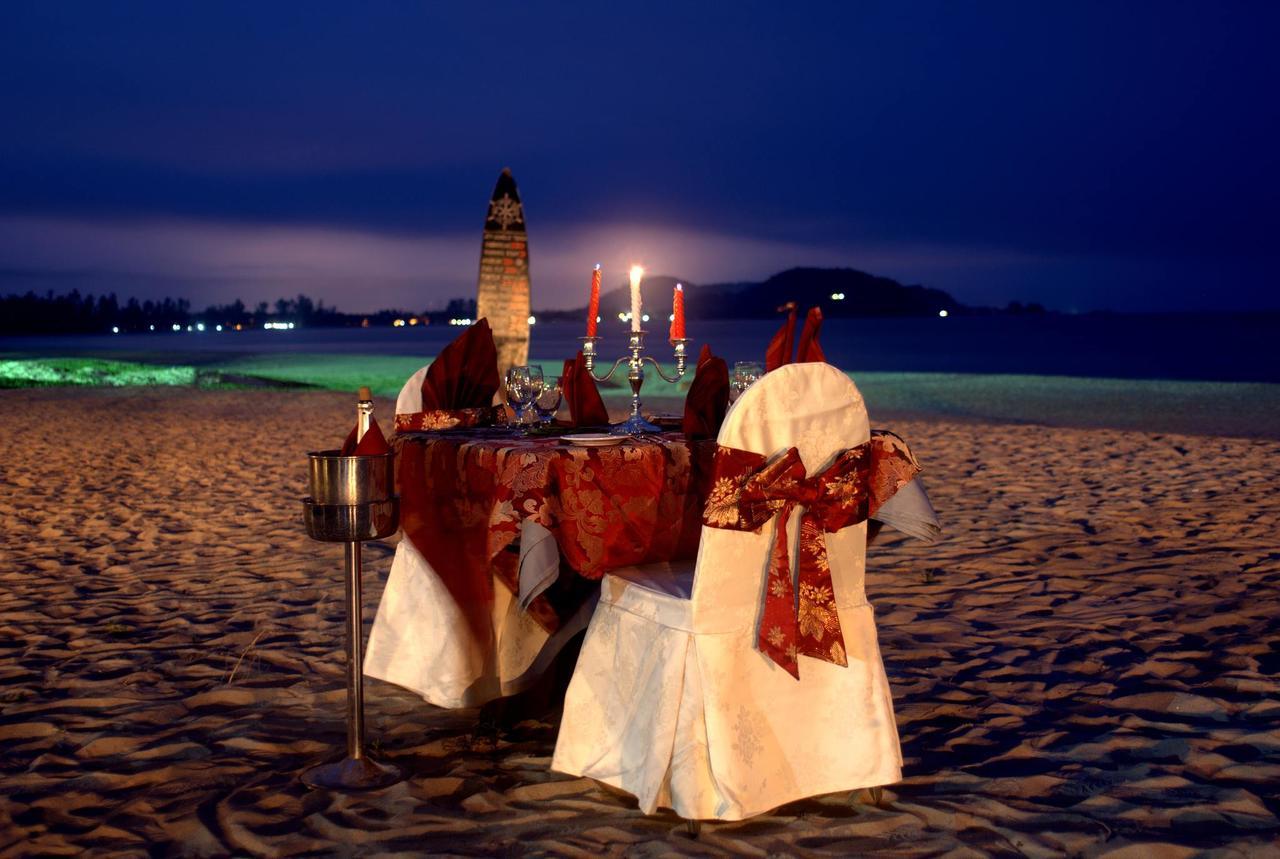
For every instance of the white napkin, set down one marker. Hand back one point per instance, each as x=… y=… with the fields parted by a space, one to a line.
x=910 y=512
x=539 y=561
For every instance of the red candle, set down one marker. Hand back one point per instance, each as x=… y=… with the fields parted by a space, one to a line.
x=593 y=305
x=677 y=313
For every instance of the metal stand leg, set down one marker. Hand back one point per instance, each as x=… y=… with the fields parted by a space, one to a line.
x=355 y=771
x=355 y=656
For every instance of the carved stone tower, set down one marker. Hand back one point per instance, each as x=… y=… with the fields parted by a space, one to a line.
x=502 y=293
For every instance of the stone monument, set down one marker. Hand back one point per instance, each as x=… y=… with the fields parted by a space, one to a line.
x=502 y=293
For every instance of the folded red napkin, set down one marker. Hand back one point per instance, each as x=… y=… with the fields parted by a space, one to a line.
x=810 y=349
x=465 y=373
x=779 y=351
x=372 y=443
x=586 y=408
x=708 y=397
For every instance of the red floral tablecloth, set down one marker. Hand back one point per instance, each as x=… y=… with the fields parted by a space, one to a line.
x=464 y=495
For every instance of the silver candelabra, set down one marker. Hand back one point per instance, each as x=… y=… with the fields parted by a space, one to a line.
x=635 y=424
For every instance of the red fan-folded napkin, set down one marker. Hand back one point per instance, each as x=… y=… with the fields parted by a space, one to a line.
x=810 y=349
x=372 y=443
x=586 y=408
x=708 y=397
x=465 y=373
x=779 y=350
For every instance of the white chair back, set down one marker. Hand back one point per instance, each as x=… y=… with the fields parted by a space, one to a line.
x=818 y=410
x=410 y=399
x=685 y=711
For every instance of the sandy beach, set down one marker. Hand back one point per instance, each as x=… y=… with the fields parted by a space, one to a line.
x=1086 y=664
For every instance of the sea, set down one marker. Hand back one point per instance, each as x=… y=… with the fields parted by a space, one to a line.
x=1210 y=347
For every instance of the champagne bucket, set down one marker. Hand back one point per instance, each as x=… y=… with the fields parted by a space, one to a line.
x=339 y=480
x=352 y=500
x=344 y=523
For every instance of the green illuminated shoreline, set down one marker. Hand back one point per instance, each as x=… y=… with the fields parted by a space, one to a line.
x=1244 y=409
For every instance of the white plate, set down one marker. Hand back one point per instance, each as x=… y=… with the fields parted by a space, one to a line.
x=594 y=439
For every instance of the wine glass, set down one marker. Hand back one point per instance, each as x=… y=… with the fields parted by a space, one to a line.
x=520 y=390
x=745 y=373
x=547 y=403
x=535 y=389
x=525 y=385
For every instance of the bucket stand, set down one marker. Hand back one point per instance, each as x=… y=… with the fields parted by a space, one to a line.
x=352 y=500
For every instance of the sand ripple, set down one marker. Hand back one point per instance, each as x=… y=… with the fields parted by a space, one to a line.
x=1086 y=665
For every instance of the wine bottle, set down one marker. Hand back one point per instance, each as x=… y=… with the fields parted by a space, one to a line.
x=364 y=412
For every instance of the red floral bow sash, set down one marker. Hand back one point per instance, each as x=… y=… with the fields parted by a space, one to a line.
x=445 y=419
x=747 y=492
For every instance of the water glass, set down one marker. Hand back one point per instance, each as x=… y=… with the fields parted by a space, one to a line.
x=547 y=403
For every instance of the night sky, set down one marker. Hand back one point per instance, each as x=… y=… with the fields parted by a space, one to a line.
x=1084 y=155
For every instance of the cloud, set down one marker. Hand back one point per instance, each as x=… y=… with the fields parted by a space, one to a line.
x=361 y=270
x=213 y=262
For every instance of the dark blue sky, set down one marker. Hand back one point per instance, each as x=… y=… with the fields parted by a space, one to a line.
x=1084 y=155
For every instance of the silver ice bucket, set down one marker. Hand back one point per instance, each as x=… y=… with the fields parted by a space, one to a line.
x=352 y=497
x=346 y=480
x=345 y=523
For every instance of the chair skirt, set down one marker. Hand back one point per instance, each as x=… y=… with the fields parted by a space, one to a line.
x=697 y=720
x=420 y=639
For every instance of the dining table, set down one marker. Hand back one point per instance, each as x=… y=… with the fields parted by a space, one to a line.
x=545 y=514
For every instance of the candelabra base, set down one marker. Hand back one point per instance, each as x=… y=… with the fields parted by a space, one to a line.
x=634 y=425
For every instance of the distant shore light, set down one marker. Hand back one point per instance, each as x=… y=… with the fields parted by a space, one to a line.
x=837 y=296
x=217 y=328
x=942 y=313
x=413 y=320
x=153 y=328
x=533 y=320
x=399 y=323
x=177 y=327
x=115 y=329
x=644 y=317
x=199 y=326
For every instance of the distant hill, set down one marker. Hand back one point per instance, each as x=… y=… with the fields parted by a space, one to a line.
x=861 y=294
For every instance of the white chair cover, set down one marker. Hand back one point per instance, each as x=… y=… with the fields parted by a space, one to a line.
x=409 y=400
x=672 y=702
x=421 y=641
